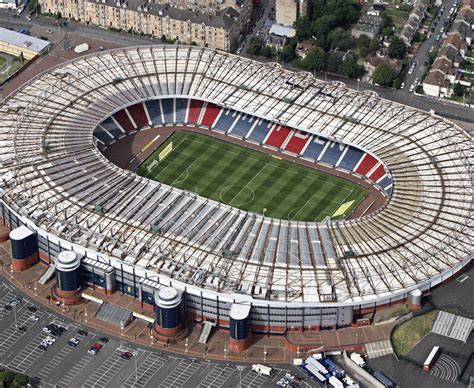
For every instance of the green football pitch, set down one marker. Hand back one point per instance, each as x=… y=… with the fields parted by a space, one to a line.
x=251 y=180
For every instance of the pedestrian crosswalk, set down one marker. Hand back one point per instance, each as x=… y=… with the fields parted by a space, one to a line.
x=453 y=326
x=378 y=349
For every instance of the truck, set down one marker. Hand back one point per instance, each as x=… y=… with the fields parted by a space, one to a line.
x=335 y=382
x=333 y=368
x=431 y=359
x=81 y=48
x=262 y=369
x=297 y=361
x=357 y=358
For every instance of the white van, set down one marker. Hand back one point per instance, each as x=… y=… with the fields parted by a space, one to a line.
x=262 y=369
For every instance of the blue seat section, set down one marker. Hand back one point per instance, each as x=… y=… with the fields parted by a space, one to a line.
x=103 y=136
x=260 y=131
x=181 y=107
x=389 y=190
x=333 y=153
x=243 y=125
x=225 y=121
x=154 y=111
x=351 y=158
x=168 y=109
x=385 y=182
x=110 y=126
x=315 y=147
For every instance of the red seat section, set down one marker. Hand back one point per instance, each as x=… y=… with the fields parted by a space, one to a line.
x=278 y=136
x=122 y=118
x=195 y=108
x=367 y=163
x=297 y=142
x=378 y=173
x=210 y=114
x=138 y=115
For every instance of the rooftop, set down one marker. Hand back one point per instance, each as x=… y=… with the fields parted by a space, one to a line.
x=22 y=40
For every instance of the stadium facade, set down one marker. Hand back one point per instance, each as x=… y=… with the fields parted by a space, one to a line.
x=137 y=236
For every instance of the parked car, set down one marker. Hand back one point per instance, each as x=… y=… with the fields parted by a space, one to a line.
x=412 y=87
x=32 y=309
x=23 y=329
x=82 y=332
x=8 y=307
x=402 y=85
x=104 y=339
x=126 y=355
x=34 y=318
x=73 y=342
x=46 y=330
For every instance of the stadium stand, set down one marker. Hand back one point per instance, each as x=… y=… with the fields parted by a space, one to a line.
x=378 y=173
x=123 y=120
x=210 y=114
x=242 y=125
x=332 y=153
x=260 y=131
x=154 y=111
x=194 y=111
x=297 y=142
x=225 y=120
x=350 y=159
x=277 y=136
x=181 y=110
x=103 y=135
x=167 y=104
x=213 y=248
x=138 y=115
x=366 y=164
x=315 y=147
x=111 y=126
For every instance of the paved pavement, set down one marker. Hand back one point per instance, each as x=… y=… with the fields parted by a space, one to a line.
x=65 y=366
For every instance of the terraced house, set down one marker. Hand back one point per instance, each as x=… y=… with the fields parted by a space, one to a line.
x=217 y=25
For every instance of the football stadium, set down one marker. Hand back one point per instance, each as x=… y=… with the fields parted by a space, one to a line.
x=219 y=189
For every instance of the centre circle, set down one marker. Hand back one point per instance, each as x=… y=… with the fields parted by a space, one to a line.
x=237 y=195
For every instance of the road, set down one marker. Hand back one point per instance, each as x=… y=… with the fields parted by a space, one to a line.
x=444 y=109
x=423 y=51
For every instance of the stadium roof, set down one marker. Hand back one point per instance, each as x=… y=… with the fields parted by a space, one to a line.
x=421 y=237
x=22 y=40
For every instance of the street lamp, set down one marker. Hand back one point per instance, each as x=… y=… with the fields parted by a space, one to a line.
x=225 y=351
x=240 y=368
x=186 y=344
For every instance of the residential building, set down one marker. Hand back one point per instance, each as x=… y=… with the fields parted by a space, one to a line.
x=287 y=11
x=414 y=20
x=304 y=47
x=10 y=4
x=218 y=28
x=368 y=25
x=373 y=61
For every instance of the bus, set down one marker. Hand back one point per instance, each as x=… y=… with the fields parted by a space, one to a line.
x=431 y=359
x=384 y=379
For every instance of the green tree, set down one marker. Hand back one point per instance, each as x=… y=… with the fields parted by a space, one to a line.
x=315 y=60
x=374 y=45
x=288 y=53
x=458 y=89
x=6 y=377
x=363 y=41
x=350 y=68
x=397 y=49
x=20 y=380
x=340 y=39
x=384 y=75
x=255 y=46
x=333 y=62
